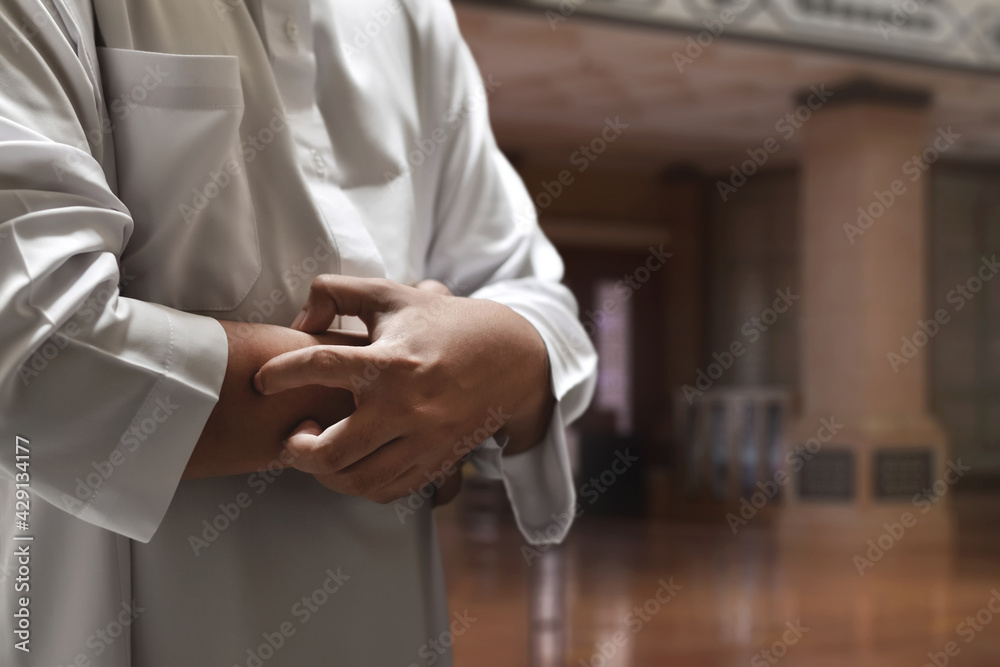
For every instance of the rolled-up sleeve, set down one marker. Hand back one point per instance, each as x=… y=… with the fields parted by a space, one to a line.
x=111 y=393
x=487 y=244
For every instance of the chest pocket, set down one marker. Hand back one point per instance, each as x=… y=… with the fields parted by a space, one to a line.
x=175 y=121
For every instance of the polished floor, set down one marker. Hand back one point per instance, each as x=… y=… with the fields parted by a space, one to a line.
x=742 y=600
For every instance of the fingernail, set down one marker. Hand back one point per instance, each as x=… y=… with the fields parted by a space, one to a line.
x=299 y=319
x=258 y=383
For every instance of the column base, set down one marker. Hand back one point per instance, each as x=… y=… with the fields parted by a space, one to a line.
x=882 y=480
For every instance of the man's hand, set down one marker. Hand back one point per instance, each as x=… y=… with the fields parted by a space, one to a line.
x=448 y=490
x=441 y=374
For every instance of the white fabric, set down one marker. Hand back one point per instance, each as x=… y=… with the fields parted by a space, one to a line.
x=203 y=160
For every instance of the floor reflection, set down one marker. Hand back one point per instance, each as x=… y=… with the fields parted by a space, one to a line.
x=597 y=600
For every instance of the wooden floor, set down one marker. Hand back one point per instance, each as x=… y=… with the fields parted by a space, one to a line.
x=738 y=597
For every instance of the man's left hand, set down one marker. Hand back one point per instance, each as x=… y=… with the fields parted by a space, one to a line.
x=442 y=374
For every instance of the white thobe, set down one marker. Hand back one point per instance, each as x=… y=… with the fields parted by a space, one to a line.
x=168 y=163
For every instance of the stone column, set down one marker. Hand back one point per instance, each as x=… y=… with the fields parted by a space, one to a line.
x=864 y=272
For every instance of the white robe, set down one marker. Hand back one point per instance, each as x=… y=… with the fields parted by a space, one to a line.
x=167 y=163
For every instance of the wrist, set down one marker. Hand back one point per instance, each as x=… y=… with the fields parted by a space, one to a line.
x=532 y=411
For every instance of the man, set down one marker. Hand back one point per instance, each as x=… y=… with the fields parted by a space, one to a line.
x=200 y=200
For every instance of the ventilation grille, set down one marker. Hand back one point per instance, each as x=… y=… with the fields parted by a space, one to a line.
x=902 y=473
x=828 y=475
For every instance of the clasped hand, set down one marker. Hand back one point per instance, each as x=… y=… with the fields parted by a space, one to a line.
x=440 y=374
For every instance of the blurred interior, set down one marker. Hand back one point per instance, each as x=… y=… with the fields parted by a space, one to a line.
x=881 y=360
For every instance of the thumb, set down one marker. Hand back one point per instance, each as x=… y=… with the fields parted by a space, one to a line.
x=307 y=429
x=331 y=295
x=304 y=434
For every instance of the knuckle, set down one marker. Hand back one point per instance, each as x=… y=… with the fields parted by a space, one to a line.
x=330 y=460
x=314 y=354
x=363 y=436
x=403 y=362
x=381 y=357
x=322 y=357
x=366 y=484
x=322 y=282
x=382 y=289
x=353 y=485
x=436 y=416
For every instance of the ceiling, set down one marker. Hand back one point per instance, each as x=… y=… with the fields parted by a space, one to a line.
x=558 y=85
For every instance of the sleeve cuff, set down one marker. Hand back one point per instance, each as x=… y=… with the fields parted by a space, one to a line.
x=539 y=483
x=142 y=473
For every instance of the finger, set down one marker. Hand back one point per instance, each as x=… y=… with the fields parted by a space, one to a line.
x=326 y=365
x=443 y=478
x=307 y=427
x=434 y=286
x=340 y=485
x=340 y=445
x=420 y=480
x=331 y=295
x=372 y=476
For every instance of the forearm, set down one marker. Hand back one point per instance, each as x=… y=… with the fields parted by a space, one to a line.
x=245 y=430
